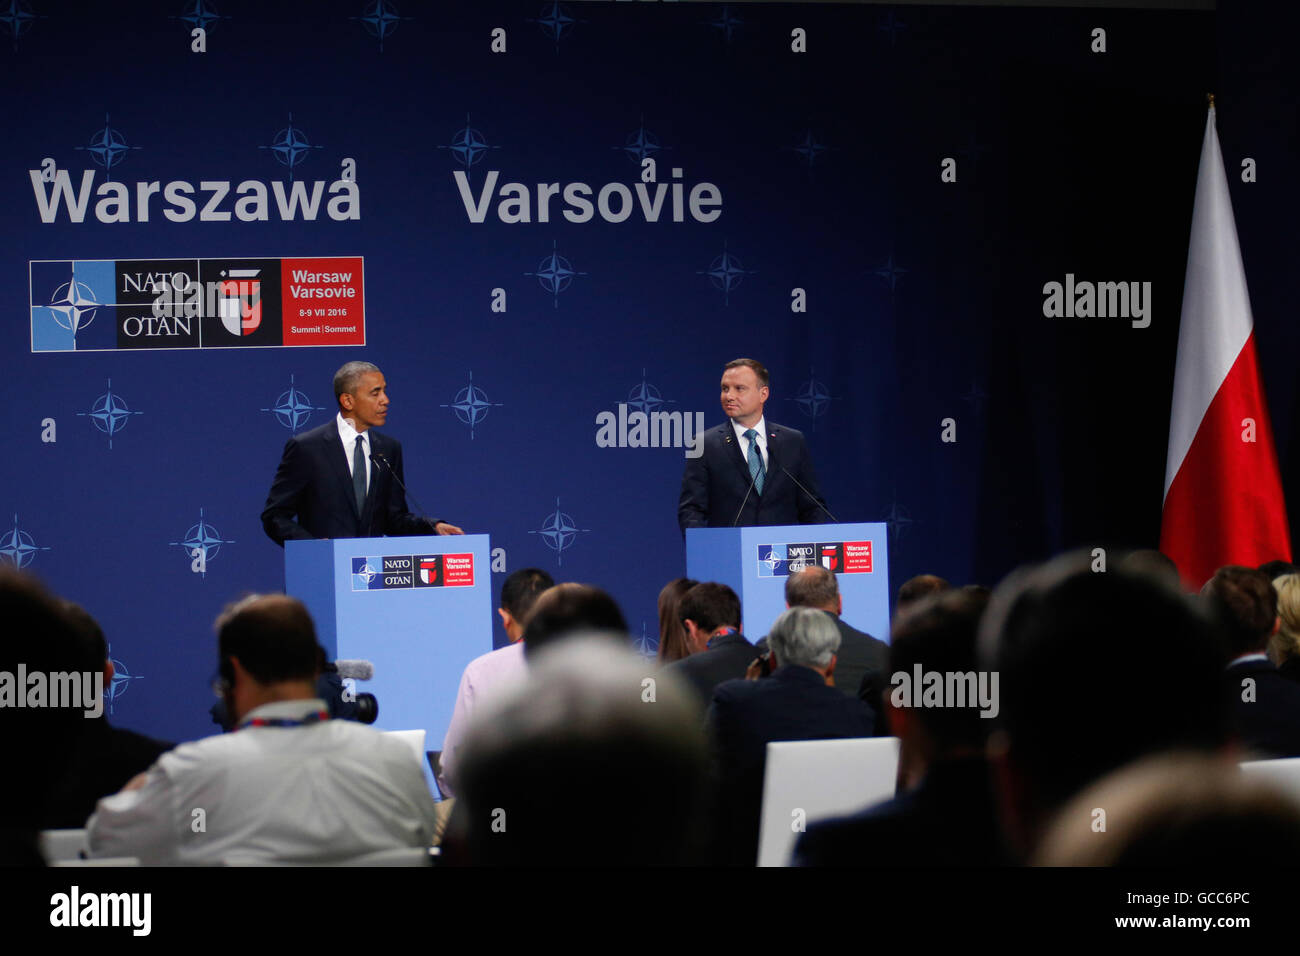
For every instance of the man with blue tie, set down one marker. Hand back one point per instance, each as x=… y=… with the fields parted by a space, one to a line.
x=344 y=479
x=751 y=471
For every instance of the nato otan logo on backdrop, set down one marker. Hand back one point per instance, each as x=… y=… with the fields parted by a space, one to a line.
x=105 y=304
x=841 y=557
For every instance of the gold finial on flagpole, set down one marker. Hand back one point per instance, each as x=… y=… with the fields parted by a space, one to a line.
x=1210 y=97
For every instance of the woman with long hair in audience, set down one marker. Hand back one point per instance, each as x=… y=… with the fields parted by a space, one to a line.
x=672 y=636
x=1284 y=645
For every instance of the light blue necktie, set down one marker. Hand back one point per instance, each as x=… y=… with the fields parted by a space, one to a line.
x=756 y=469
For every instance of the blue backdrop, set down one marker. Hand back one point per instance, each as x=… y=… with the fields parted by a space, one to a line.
x=825 y=240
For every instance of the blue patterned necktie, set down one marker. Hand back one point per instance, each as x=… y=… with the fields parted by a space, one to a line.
x=359 y=474
x=756 y=469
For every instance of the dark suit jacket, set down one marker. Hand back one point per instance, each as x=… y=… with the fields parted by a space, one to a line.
x=312 y=496
x=1270 y=724
x=726 y=659
x=745 y=716
x=861 y=664
x=101 y=763
x=715 y=484
x=950 y=819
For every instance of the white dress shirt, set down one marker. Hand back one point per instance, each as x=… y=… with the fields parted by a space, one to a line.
x=349 y=436
x=321 y=791
x=761 y=429
x=486 y=678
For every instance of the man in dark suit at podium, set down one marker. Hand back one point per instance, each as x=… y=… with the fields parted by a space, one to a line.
x=751 y=471
x=337 y=481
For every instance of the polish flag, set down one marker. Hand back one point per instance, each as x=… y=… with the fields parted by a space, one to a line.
x=1223 y=491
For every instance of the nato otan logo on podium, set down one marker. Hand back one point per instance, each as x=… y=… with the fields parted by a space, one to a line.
x=841 y=557
x=386 y=572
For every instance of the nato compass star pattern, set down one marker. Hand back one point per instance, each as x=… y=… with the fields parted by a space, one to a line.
x=809 y=148
x=367 y=573
x=17 y=17
x=200 y=15
x=290 y=146
x=898 y=519
x=471 y=405
x=645 y=397
x=201 y=538
x=726 y=272
x=74 y=305
x=890 y=272
x=727 y=22
x=555 y=274
x=293 y=408
x=107 y=147
x=890 y=24
x=641 y=144
x=813 y=398
x=556 y=21
x=17 y=549
x=121 y=680
x=468 y=145
x=109 y=413
x=380 y=18
x=973 y=150
x=976 y=397
x=646 y=645
x=559 y=532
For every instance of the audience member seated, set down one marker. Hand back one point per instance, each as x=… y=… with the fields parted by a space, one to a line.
x=950 y=817
x=105 y=757
x=710 y=613
x=1153 y=562
x=672 y=635
x=913 y=589
x=861 y=660
x=568 y=608
x=795 y=703
x=1275 y=569
x=37 y=638
x=495 y=672
x=1176 y=810
x=1284 y=645
x=1265 y=705
x=593 y=761
x=289 y=784
x=1095 y=670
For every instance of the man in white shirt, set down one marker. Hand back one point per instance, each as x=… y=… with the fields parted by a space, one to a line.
x=344 y=478
x=287 y=785
x=492 y=674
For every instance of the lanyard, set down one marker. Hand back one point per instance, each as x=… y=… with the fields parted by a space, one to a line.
x=312 y=718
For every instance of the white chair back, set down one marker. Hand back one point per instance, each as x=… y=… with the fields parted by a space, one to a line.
x=1283 y=774
x=413 y=739
x=57 y=845
x=810 y=780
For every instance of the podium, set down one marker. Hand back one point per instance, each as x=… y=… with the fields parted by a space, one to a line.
x=420 y=608
x=757 y=561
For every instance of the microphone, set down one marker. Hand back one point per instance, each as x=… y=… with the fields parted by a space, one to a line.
x=810 y=495
x=356 y=669
x=752 y=479
x=379 y=459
